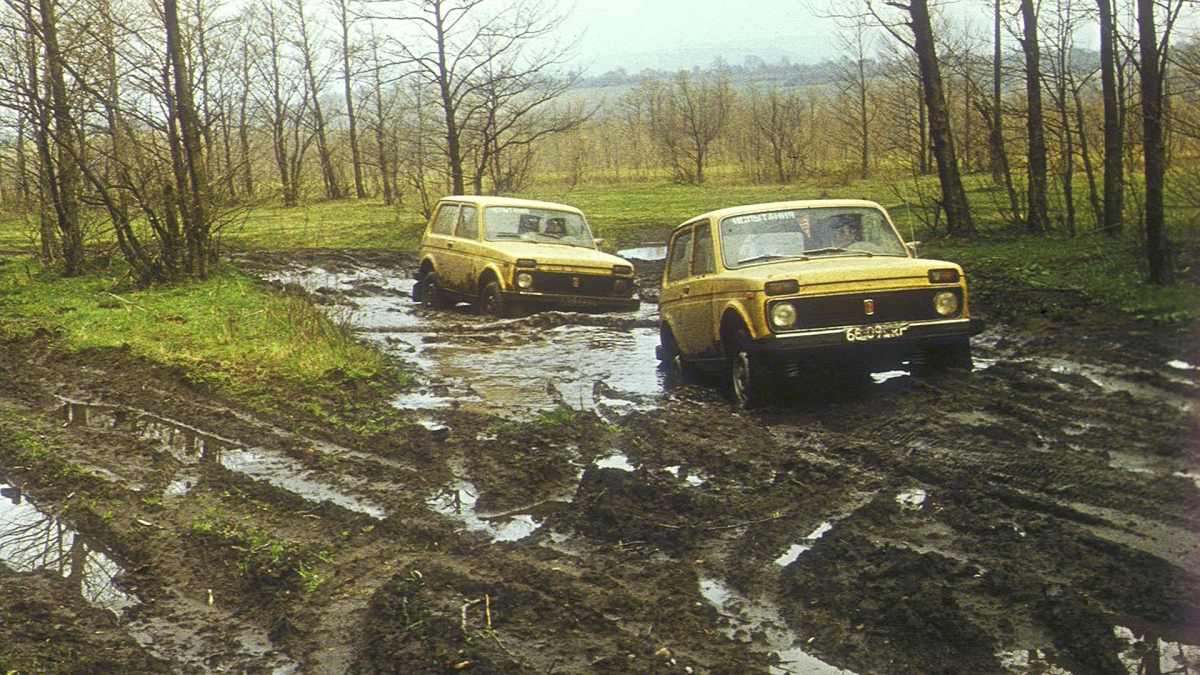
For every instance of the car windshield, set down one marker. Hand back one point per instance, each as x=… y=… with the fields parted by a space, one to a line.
x=768 y=236
x=518 y=223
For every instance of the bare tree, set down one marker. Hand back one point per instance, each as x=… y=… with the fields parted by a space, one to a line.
x=855 y=78
x=306 y=43
x=779 y=123
x=1036 y=217
x=1114 y=142
x=452 y=49
x=341 y=9
x=920 y=25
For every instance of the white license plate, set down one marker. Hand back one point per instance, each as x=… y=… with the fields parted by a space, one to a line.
x=881 y=331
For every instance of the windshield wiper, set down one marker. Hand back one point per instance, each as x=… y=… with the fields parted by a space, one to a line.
x=835 y=249
x=770 y=256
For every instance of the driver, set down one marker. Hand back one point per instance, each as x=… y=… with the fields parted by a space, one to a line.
x=555 y=227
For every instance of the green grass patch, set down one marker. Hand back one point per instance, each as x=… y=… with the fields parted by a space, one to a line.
x=230 y=330
x=345 y=223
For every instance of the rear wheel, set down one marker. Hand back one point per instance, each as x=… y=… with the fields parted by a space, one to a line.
x=432 y=295
x=748 y=378
x=672 y=359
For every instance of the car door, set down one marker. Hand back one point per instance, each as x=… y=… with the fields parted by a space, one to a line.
x=438 y=242
x=685 y=300
x=466 y=253
x=700 y=287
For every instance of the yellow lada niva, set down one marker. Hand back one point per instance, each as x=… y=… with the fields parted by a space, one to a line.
x=503 y=254
x=821 y=286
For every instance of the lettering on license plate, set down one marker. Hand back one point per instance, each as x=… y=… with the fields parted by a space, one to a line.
x=882 y=331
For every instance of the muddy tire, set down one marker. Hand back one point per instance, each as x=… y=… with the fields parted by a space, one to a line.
x=671 y=360
x=432 y=295
x=950 y=357
x=492 y=302
x=747 y=375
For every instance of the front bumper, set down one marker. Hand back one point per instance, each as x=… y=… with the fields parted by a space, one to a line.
x=876 y=344
x=574 y=302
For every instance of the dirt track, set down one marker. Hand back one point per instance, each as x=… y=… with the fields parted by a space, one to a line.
x=1037 y=515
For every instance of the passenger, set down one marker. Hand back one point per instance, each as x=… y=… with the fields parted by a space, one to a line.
x=528 y=223
x=556 y=227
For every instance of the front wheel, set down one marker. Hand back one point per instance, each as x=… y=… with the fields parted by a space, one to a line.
x=748 y=378
x=492 y=302
x=674 y=368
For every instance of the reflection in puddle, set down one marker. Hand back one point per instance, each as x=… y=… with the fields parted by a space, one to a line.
x=760 y=623
x=190 y=447
x=615 y=461
x=794 y=552
x=31 y=540
x=912 y=499
x=691 y=479
x=1180 y=365
x=458 y=502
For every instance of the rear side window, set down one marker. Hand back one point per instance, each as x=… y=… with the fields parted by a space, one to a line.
x=468 y=225
x=443 y=222
x=681 y=255
x=703 y=260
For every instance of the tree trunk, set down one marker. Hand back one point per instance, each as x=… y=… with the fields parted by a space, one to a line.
x=64 y=182
x=954 y=197
x=192 y=182
x=1036 y=218
x=1114 y=180
x=360 y=190
x=1157 y=250
x=999 y=162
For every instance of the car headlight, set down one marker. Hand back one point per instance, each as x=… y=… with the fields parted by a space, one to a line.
x=946 y=303
x=524 y=281
x=621 y=287
x=783 y=315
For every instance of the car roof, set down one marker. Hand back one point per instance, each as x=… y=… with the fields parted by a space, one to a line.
x=488 y=200
x=779 y=206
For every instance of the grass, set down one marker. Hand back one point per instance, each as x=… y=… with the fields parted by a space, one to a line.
x=230 y=330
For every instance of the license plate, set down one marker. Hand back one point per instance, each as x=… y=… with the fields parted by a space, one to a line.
x=882 y=331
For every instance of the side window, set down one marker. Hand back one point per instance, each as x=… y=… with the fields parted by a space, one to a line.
x=681 y=253
x=443 y=222
x=468 y=225
x=703 y=260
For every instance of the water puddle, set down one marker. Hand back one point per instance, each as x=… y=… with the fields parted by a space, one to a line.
x=796 y=550
x=654 y=251
x=615 y=460
x=1110 y=382
x=191 y=446
x=1139 y=654
x=32 y=540
x=1180 y=365
x=691 y=479
x=457 y=501
x=761 y=625
x=913 y=500
x=512 y=367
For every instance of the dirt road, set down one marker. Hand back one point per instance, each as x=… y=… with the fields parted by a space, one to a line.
x=552 y=507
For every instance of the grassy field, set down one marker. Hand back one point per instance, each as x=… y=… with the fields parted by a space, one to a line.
x=233 y=330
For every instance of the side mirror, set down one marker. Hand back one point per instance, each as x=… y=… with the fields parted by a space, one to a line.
x=599 y=243
x=912 y=247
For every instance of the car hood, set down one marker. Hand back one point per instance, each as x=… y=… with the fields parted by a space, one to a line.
x=833 y=270
x=555 y=255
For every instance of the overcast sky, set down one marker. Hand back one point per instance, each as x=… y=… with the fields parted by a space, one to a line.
x=673 y=34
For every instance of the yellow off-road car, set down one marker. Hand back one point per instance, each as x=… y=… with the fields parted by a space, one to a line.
x=807 y=287
x=504 y=254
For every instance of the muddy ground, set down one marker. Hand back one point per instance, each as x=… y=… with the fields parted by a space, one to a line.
x=546 y=504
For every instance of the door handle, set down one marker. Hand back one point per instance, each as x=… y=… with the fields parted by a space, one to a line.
x=687 y=289
x=449 y=244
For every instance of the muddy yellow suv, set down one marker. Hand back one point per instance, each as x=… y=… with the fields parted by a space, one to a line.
x=503 y=254
x=823 y=287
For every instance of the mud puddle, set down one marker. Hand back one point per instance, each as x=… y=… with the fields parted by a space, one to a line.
x=512 y=367
x=193 y=447
x=32 y=540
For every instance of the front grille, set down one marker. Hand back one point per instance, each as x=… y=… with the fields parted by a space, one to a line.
x=850 y=309
x=574 y=284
